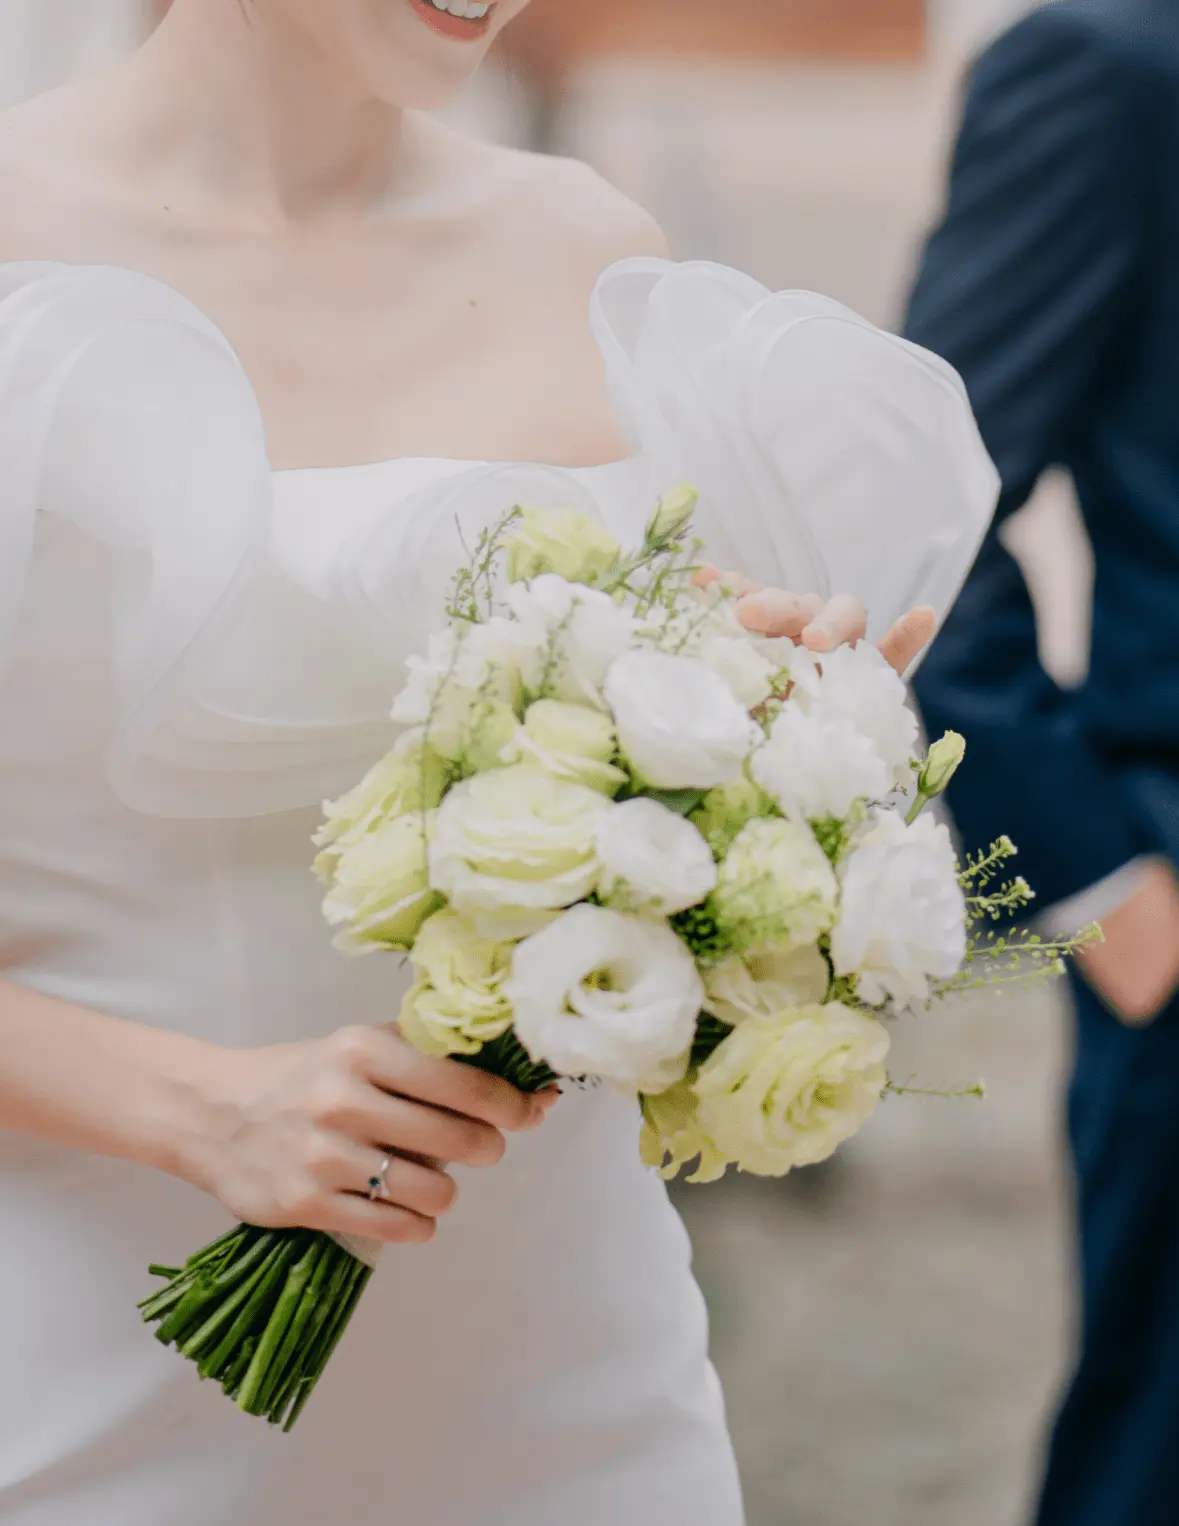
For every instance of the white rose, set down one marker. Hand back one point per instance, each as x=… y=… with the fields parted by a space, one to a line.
x=605 y=995
x=815 y=767
x=678 y=722
x=765 y=981
x=574 y=634
x=380 y=893
x=787 y=1090
x=652 y=860
x=573 y=742
x=512 y=847
x=902 y=919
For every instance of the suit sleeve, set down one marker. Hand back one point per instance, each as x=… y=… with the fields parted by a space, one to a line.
x=1024 y=289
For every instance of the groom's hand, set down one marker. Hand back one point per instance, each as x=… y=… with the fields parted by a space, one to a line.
x=817 y=624
x=1135 y=971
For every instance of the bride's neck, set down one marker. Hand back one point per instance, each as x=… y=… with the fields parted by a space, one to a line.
x=259 y=114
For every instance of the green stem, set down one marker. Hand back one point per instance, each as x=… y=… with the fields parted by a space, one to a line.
x=294 y=1339
x=919 y=804
x=357 y=1283
x=242 y=1299
x=187 y=1309
x=236 y=1371
x=289 y=1300
x=234 y=1271
x=339 y=1264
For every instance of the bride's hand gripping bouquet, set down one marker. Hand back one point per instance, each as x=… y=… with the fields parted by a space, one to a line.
x=625 y=840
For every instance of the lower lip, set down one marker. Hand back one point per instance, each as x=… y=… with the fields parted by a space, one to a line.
x=457 y=27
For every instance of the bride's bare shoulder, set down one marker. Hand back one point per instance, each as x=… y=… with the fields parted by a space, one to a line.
x=561 y=206
x=49 y=191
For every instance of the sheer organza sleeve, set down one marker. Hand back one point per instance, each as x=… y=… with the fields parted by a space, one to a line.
x=125 y=412
x=831 y=456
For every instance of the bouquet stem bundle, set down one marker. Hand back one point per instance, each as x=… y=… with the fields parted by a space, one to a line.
x=261 y=1311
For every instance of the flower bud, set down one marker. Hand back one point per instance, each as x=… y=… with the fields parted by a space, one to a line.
x=673 y=514
x=941 y=765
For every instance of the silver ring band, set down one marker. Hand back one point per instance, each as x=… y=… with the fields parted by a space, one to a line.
x=378 y=1186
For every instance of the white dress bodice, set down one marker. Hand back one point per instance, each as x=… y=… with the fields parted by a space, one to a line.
x=194 y=651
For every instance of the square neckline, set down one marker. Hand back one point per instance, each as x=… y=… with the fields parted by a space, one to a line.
x=461 y=462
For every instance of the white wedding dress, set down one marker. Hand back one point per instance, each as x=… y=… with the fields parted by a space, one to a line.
x=194 y=652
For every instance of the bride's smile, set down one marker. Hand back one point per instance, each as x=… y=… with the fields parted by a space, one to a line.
x=464 y=20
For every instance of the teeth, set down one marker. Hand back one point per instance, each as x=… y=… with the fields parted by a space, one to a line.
x=466 y=10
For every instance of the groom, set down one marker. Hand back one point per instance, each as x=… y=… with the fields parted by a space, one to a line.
x=1053 y=286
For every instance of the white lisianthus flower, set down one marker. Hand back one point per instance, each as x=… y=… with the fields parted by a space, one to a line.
x=788 y=1090
x=776 y=885
x=902 y=921
x=678 y=723
x=573 y=636
x=412 y=777
x=571 y=742
x=381 y=892
x=512 y=847
x=565 y=541
x=653 y=861
x=601 y=994
x=749 y=675
x=672 y=1136
x=765 y=981
x=457 y=1003
x=857 y=685
x=817 y=767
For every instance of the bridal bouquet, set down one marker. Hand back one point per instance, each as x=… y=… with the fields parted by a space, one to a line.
x=624 y=840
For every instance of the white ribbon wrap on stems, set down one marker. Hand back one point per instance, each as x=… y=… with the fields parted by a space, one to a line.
x=367 y=1251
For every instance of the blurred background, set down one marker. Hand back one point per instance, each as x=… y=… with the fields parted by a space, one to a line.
x=890 y=1328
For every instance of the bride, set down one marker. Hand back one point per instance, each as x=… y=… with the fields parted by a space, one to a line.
x=233 y=268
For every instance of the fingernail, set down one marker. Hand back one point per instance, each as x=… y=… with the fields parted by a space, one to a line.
x=818 y=636
x=549 y=1098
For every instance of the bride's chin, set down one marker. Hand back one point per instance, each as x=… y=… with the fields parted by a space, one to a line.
x=419 y=65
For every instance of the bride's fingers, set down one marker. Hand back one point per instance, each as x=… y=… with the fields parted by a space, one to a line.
x=735 y=582
x=908 y=636
x=774 y=612
x=841 y=620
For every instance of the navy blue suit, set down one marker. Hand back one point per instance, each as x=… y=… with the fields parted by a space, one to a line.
x=1053 y=286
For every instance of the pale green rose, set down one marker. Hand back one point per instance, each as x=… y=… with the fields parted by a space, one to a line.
x=787 y=1091
x=456 y=1004
x=381 y=895
x=672 y=1136
x=673 y=514
x=944 y=760
x=512 y=847
x=570 y=742
x=565 y=541
x=410 y=778
x=776 y=885
x=765 y=981
x=725 y=810
x=490 y=732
